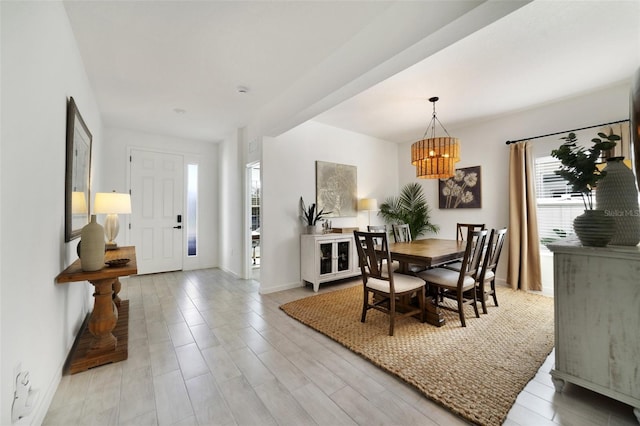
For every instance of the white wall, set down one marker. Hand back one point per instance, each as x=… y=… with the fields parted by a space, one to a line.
x=41 y=68
x=288 y=172
x=484 y=145
x=232 y=219
x=115 y=159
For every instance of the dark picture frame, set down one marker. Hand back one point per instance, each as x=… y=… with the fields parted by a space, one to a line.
x=77 y=194
x=462 y=191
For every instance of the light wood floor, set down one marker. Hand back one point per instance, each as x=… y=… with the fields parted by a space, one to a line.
x=206 y=348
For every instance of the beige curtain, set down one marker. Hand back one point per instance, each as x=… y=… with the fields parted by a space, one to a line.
x=523 y=271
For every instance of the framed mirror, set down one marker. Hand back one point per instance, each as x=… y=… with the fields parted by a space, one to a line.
x=78 y=173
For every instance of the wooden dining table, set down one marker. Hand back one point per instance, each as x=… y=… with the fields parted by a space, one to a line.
x=430 y=253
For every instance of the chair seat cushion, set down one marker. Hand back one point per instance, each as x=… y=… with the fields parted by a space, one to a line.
x=489 y=276
x=446 y=278
x=401 y=282
x=454 y=266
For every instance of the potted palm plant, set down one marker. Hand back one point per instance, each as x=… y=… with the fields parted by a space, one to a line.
x=411 y=208
x=580 y=169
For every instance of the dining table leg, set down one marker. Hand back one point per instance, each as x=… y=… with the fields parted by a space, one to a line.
x=434 y=314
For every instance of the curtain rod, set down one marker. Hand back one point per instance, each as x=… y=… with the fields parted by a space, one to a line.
x=566 y=131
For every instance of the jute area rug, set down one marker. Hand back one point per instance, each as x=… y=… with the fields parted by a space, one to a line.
x=475 y=371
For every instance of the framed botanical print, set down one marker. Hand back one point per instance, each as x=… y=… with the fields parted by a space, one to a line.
x=462 y=191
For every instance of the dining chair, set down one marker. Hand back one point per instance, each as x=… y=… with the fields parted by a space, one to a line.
x=402 y=234
x=378 y=228
x=487 y=274
x=463 y=228
x=461 y=285
x=385 y=292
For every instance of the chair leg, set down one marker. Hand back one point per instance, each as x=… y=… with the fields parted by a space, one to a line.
x=461 y=309
x=365 y=302
x=421 y=303
x=483 y=299
x=493 y=291
x=392 y=313
x=475 y=304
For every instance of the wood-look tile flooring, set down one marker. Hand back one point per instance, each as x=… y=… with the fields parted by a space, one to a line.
x=207 y=349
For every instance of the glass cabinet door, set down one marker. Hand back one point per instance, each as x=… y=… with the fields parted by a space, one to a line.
x=343 y=255
x=326 y=251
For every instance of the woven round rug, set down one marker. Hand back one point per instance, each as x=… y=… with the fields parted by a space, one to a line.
x=475 y=371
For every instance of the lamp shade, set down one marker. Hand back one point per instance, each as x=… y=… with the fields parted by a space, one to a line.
x=370 y=204
x=78 y=203
x=435 y=158
x=112 y=202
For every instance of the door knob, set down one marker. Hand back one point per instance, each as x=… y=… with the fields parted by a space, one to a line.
x=177 y=227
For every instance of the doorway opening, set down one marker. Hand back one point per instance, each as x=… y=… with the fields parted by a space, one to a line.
x=255 y=203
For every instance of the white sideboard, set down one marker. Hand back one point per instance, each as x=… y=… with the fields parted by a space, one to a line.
x=597 y=320
x=327 y=257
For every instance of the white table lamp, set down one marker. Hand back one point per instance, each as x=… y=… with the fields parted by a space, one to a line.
x=369 y=205
x=112 y=204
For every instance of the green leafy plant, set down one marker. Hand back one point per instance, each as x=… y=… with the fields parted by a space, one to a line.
x=309 y=214
x=579 y=164
x=409 y=207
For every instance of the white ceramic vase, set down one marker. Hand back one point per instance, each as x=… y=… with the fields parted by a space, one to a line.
x=92 y=246
x=617 y=196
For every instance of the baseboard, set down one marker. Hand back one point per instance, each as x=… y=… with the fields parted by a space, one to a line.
x=281 y=287
x=45 y=399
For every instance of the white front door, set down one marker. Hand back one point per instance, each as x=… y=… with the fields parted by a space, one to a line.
x=157 y=187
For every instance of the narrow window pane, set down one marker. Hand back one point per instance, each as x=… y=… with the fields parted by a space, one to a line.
x=192 y=209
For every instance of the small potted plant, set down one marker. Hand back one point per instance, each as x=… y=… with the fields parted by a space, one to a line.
x=310 y=216
x=580 y=169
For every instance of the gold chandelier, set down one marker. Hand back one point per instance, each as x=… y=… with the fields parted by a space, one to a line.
x=435 y=157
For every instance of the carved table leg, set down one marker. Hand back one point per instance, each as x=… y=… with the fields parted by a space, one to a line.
x=104 y=316
x=116 y=289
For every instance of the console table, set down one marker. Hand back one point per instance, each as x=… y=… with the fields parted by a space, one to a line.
x=105 y=338
x=596 y=295
x=327 y=257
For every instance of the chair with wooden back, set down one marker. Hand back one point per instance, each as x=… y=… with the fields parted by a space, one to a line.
x=460 y=285
x=487 y=272
x=402 y=234
x=384 y=292
x=378 y=228
x=463 y=228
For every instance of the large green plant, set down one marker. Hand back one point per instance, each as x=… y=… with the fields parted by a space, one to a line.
x=411 y=208
x=579 y=165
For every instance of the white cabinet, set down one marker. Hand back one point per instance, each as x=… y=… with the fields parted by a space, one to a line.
x=597 y=320
x=327 y=257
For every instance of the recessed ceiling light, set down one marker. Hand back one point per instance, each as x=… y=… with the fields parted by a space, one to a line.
x=179 y=110
x=243 y=89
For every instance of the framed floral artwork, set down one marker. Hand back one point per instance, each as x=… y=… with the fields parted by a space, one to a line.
x=462 y=191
